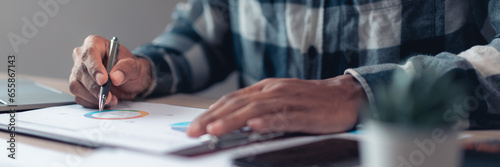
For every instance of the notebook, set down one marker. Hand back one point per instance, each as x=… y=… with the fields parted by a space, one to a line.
x=31 y=95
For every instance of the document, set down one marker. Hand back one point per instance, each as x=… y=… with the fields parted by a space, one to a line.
x=138 y=126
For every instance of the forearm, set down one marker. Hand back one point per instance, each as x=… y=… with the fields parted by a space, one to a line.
x=477 y=69
x=188 y=56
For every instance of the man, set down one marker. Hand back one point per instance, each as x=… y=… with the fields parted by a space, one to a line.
x=337 y=51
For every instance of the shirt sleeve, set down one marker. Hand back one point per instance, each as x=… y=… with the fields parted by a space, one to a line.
x=193 y=52
x=477 y=67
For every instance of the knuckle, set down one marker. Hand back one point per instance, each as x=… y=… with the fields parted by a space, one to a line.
x=256 y=105
x=207 y=119
x=133 y=64
x=230 y=121
x=92 y=68
x=280 y=87
x=268 y=80
x=224 y=98
x=73 y=76
x=92 y=38
x=84 y=55
x=76 y=52
x=229 y=96
x=80 y=71
x=129 y=65
x=73 y=70
x=93 y=85
x=238 y=100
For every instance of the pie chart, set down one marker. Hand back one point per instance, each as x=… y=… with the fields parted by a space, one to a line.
x=116 y=114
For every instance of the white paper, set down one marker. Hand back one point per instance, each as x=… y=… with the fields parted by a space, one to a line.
x=150 y=133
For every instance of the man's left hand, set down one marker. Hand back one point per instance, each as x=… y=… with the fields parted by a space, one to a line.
x=285 y=105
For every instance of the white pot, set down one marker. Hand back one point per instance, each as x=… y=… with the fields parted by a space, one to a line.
x=384 y=145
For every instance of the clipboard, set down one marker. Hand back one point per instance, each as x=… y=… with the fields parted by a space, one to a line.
x=238 y=138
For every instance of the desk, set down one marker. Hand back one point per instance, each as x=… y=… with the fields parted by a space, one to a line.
x=32 y=151
x=50 y=153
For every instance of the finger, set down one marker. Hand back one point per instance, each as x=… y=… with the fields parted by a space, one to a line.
x=77 y=89
x=283 y=85
x=114 y=101
x=110 y=99
x=225 y=105
x=198 y=127
x=93 y=54
x=248 y=90
x=78 y=75
x=239 y=118
x=85 y=103
x=93 y=88
x=88 y=82
x=224 y=99
x=88 y=104
x=265 y=85
x=124 y=70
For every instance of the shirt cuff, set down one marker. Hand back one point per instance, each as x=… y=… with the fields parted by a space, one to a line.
x=152 y=86
x=364 y=84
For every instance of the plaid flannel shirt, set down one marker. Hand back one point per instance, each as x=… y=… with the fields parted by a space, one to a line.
x=319 y=39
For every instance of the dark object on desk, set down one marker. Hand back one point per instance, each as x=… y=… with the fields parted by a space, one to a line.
x=33 y=95
x=330 y=152
x=482 y=153
x=232 y=140
x=482 y=159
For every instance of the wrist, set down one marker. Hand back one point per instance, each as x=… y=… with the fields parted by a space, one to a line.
x=354 y=98
x=356 y=86
x=146 y=78
x=348 y=83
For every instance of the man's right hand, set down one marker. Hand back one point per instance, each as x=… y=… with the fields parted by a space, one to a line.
x=129 y=76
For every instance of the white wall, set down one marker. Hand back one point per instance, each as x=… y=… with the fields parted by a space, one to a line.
x=48 y=51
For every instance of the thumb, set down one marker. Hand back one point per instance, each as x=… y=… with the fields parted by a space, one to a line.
x=124 y=70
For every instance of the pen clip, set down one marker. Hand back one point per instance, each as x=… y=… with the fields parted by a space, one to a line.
x=113 y=51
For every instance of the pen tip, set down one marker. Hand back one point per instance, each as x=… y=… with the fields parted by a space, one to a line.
x=101 y=106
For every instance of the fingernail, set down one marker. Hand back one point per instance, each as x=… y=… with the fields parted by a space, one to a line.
x=212 y=127
x=118 y=76
x=192 y=127
x=251 y=122
x=256 y=122
x=99 y=77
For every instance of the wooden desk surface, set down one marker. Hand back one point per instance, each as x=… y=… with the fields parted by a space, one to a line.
x=52 y=153
x=197 y=102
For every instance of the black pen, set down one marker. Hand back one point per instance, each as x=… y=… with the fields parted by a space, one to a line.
x=103 y=93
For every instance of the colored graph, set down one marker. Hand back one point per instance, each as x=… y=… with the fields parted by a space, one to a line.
x=116 y=114
x=181 y=126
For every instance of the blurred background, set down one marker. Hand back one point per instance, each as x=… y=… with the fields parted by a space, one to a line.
x=47 y=50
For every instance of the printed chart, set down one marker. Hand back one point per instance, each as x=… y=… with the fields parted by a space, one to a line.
x=150 y=127
x=116 y=114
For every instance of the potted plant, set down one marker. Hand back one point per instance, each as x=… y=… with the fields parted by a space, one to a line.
x=406 y=125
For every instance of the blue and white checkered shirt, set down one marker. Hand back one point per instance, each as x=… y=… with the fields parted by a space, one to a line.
x=319 y=39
